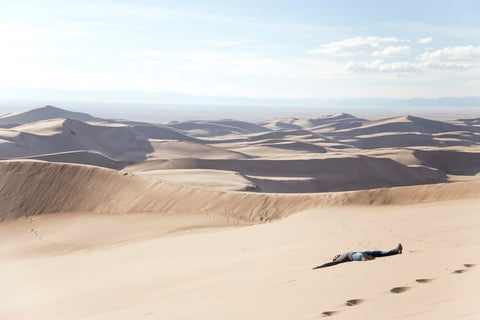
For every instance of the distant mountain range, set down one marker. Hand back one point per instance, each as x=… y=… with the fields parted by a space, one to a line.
x=171 y=106
x=64 y=97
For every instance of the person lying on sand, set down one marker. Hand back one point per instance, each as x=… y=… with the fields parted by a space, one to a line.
x=360 y=256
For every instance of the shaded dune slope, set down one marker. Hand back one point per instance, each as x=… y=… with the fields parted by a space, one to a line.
x=217 y=128
x=343 y=120
x=294 y=145
x=250 y=127
x=400 y=124
x=35 y=187
x=175 y=149
x=395 y=141
x=285 y=134
x=164 y=133
x=450 y=162
x=321 y=175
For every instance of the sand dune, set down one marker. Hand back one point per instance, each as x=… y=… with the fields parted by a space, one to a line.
x=44 y=187
x=305 y=134
x=399 y=140
x=103 y=219
x=338 y=120
x=314 y=143
x=451 y=162
x=319 y=155
x=285 y=124
x=331 y=174
x=62 y=135
x=294 y=145
x=250 y=127
x=34 y=187
x=43 y=113
x=201 y=178
x=256 y=272
x=217 y=128
x=470 y=122
x=185 y=149
x=401 y=124
x=91 y=158
x=164 y=133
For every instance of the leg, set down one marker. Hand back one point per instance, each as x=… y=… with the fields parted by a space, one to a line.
x=377 y=253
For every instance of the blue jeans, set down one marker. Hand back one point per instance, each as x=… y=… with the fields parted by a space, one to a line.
x=378 y=253
x=358 y=256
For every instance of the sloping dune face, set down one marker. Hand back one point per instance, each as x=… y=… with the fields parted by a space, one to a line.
x=36 y=187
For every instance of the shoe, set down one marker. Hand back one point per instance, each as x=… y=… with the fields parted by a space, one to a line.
x=399 y=248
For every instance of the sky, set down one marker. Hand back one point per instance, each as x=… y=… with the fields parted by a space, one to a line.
x=168 y=51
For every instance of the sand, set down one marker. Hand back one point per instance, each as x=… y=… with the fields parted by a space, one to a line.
x=53 y=271
x=105 y=219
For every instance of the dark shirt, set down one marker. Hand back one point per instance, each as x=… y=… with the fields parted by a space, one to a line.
x=345 y=257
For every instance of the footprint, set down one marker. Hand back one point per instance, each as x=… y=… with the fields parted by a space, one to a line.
x=329 y=313
x=354 y=302
x=469 y=265
x=424 y=280
x=399 y=289
x=460 y=271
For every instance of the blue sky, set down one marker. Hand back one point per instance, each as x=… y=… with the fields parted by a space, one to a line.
x=79 y=50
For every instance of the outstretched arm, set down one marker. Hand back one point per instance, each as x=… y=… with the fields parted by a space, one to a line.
x=343 y=258
x=328 y=264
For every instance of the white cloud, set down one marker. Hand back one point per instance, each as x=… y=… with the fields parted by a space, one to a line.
x=460 y=53
x=450 y=65
x=381 y=66
x=349 y=47
x=391 y=51
x=401 y=67
x=425 y=40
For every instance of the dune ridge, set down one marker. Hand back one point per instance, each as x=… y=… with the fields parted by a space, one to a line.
x=88 y=157
x=36 y=187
